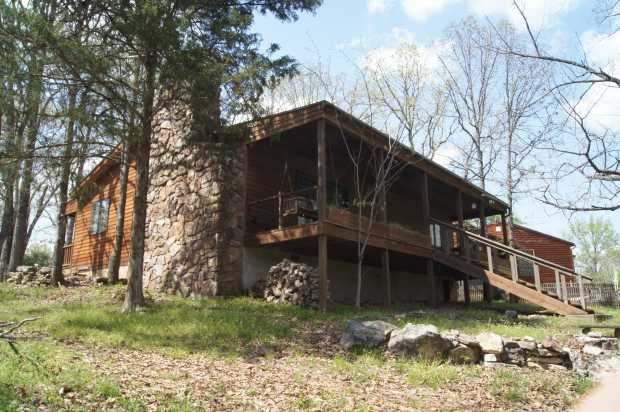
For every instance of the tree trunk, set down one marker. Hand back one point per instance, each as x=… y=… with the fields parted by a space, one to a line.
x=141 y=150
x=63 y=192
x=20 y=232
x=8 y=212
x=360 y=260
x=115 y=257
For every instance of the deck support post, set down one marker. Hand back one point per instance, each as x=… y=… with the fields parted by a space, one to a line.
x=432 y=281
x=426 y=214
x=385 y=264
x=385 y=253
x=466 y=291
x=482 y=215
x=322 y=206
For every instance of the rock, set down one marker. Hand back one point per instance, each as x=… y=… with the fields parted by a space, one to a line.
x=534 y=365
x=596 y=335
x=26 y=269
x=592 y=350
x=545 y=361
x=419 y=340
x=527 y=345
x=468 y=340
x=490 y=343
x=490 y=358
x=464 y=354
x=551 y=345
x=511 y=314
x=367 y=333
x=513 y=354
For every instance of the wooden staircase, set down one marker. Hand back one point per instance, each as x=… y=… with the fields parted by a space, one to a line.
x=497 y=264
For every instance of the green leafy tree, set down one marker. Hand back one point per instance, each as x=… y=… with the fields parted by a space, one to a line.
x=140 y=52
x=38 y=254
x=598 y=250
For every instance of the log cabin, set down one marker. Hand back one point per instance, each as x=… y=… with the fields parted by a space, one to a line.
x=221 y=212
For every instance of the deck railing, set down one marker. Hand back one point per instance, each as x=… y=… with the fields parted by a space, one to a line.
x=502 y=259
x=67 y=253
x=283 y=209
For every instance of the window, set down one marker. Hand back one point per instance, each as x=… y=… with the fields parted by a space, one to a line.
x=99 y=218
x=70 y=229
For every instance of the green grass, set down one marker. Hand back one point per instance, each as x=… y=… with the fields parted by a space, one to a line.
x=433 y=374
x=231 y=327
x=236 y=328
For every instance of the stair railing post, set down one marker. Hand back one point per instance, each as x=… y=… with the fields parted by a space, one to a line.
x=537 y=277
x=490 y=258
x=558 y=288
x=582 y=297
x=564 y=290
x=513 y=268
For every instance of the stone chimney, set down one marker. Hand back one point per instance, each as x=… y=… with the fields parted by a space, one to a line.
x=196 y=208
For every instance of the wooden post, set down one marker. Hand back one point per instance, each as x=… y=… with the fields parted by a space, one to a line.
x=426 y=206
x=466 y=290
x=322 y=206
x=558 y=289
x=564 y=290
x=482 y=215
x=459 y=214
x=385 y=264
x=537 y=277
x=385 y=254
x=430 y=270
x=426 y=214
x=582 y=297
x=280 y=217
x=504 y=229
x=490 y=258
x=514 y=270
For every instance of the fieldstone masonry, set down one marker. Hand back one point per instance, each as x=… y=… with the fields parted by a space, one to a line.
x=195 y=217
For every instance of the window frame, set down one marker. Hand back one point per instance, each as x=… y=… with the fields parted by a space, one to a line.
x=99 y=217
x=70 y=229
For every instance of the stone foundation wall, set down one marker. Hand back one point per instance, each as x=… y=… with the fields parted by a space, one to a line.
x=195 y=218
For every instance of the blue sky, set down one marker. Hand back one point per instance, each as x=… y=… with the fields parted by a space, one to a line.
x=345 y=27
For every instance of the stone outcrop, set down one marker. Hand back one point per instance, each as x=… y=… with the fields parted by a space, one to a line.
x=369 y=334
x=419 y=340
x=195 y=217
x=587 y=354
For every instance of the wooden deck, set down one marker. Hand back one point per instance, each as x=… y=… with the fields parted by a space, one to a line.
x=341 y=224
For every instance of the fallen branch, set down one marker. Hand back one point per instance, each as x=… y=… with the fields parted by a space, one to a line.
x=7 y=329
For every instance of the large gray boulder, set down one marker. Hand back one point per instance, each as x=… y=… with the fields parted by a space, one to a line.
x=491 y=343
x=419 y=340
x=369 y=334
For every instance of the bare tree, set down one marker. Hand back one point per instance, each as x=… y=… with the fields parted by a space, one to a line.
x=409 y=98
x=470 y=64
x=587 y=152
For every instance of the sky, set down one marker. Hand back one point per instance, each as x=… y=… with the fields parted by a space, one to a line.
x=342 y=29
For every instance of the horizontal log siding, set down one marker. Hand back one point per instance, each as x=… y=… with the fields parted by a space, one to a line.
x=545 y=247
x=92 y=251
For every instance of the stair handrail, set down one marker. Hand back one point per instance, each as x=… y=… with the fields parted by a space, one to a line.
x=508 y=249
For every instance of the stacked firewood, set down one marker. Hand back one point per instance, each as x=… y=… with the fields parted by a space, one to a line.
x=292 y=282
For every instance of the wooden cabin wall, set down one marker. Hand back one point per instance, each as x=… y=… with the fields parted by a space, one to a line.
x=93 y=251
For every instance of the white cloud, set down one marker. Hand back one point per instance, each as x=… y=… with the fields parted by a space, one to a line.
x=379 y=6
x=602 y=101
x=540 y=13
x=421 y=10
